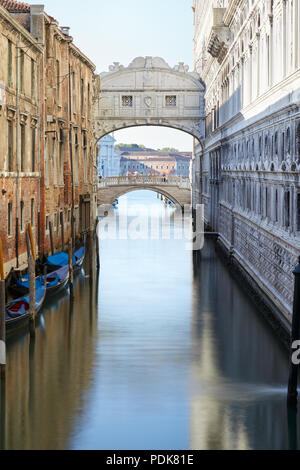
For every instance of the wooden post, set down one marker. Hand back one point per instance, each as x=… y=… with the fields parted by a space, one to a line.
x=295 y=337
x=71 y=280
x=32 y=296
x=62 y=223
x=2 y=330
x=2 y=274
x=2 y=315
x=51 y=237
x=98 y=251
x=3 y=414
x=31 y=241
x=91 y=254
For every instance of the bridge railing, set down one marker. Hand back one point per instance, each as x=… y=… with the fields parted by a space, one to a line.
x=144 y=180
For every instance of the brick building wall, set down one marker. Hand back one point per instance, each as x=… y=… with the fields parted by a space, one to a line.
x=45 y=103
x=19 y=110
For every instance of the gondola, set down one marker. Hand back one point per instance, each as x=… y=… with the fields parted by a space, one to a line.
x=57 y=280
x=17 y=311
x=18 y=283
x=62 y=259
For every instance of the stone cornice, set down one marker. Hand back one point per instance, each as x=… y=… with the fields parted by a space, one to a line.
x=77 y=53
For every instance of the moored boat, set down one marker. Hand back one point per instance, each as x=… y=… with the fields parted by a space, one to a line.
x=57 y=280
x=18 y=283
x=62 y=259
x=17 y=311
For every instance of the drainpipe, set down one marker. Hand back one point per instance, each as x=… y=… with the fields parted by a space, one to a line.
x=17 y=152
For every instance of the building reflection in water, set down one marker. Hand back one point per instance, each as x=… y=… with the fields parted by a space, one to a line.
x=239 y=369
x=48 y=377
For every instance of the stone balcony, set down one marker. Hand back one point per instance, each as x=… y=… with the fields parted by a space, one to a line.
x=220 y=36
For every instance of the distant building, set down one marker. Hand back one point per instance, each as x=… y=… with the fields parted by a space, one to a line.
x=147 y=162
x=109 y=158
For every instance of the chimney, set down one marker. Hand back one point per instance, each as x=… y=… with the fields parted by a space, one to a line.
x=65 y=30
x=37 y=22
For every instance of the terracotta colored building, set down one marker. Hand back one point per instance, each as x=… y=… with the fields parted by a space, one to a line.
x=158 y=163
x=48 y=151
x=19 y=121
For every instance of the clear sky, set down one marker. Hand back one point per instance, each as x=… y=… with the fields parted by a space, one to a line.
x=110 y=31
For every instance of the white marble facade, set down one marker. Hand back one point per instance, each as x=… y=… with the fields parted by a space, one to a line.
x=109 y=159
x=150 y=93
x=247 y=52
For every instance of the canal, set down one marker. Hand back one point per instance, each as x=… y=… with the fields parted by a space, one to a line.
x=159 y=352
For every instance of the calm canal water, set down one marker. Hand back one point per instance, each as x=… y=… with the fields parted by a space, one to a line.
x=159 y=353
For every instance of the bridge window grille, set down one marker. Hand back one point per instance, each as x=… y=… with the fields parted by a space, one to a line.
x=127 y=101
x=171 y=100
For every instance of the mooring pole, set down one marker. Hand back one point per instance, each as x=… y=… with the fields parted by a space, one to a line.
x=293 y=378
x=97 y=251
x=2 y=315
x=2 y=330
x=71 y=270
x=32 y=296
x=62 y=223
x=3 y=414
x=32 y=245
x=51 y=238
x=91 y=254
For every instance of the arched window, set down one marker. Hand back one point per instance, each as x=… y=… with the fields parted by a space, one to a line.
x=298 y=142
x=288 y=141
x=266 y=146
x=260 y=146
x=276 y=143
x=282 y=147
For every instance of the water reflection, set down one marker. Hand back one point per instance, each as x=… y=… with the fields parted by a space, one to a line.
x=47 y=376
x=239 y=370
x=163 y=351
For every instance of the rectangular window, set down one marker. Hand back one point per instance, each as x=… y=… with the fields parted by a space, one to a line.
x=298 y=212
x=276 y=206
x=127 y=101
x=32 y=213
x=22 y=147
x=47 y=222
x=61 y=156
x=57 y=81
x=171 y=100
x=22 y=58
x=22 y=216
x=82 y=96
x=9 y=220
x=76 y=220
x=10 y=146
x=69 y=215
x=89 y=104
x=287 y=218
x=32 y=78
x=73 y=93
x=9 y=63
x=55 y=222
x=33 y=143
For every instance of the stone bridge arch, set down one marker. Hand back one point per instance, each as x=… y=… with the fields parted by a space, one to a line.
x=179 y=192
x=150 y=93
